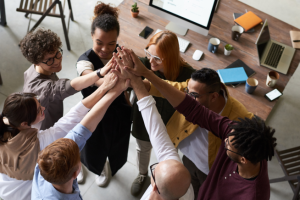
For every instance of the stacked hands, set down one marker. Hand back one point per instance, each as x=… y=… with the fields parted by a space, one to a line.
x=123 y=67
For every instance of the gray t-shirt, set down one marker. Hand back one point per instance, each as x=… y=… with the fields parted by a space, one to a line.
x=51 y=92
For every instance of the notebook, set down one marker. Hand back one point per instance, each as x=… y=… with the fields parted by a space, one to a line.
x=248 y=20
x=237 y=15
x=295 y=37
x=239 y=63
x=232 y=75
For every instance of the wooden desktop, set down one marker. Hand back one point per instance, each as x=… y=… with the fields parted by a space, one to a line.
x=244 y=49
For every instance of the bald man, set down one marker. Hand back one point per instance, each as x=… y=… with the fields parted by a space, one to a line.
x=170 y=179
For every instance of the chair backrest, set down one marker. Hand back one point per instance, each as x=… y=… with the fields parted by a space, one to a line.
x=290 y=163
x=38 y=6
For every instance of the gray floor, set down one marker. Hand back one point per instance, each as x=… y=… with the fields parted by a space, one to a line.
x=284 y=117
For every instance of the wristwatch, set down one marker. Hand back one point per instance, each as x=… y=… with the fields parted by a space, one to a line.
x=98 y=73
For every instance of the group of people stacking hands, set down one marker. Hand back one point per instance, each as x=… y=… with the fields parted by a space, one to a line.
x=225 y=147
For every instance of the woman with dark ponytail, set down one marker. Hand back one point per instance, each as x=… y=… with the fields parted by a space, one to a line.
x=111 y=137
x=20 y=143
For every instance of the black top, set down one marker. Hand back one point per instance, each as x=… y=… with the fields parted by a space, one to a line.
x=111 y=137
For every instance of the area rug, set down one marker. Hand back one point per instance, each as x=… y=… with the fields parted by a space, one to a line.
x=284 y=10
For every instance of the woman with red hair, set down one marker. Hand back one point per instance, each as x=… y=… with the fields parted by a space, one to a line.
x=164 y=59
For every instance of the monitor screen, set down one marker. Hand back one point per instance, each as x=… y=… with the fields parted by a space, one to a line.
x=198 y=12
x=263 y=39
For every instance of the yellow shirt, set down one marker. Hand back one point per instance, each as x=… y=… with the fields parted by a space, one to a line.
x=178 y=128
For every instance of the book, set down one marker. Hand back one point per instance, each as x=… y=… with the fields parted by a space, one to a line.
x=248 y=20
x=239 y=63
x=295 y=37
x=237 y=15
x=232 y=75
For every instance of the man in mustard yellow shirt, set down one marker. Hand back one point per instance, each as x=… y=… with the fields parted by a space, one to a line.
x=198 y=145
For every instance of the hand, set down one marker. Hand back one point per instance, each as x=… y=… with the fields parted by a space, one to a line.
x=122 y=73
x=124 y=54
x=120 y=69
x=110 y=65
x=121 y=86
x=139 y=68
x=110 y=81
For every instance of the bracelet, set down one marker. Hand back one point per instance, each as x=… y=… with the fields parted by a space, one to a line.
x=98 y=73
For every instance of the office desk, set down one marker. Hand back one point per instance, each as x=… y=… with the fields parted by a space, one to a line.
x=245 y=48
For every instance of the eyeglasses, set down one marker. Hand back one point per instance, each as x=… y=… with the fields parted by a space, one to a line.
x=58 y=55
x=227 y=144
x=156 y=58
x=152 y=168
x=194 y=94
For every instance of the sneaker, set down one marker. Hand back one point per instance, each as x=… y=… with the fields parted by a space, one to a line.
x=80 y=176
x=137 y=184
x=104 y=176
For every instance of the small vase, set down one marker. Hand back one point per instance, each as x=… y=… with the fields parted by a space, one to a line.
x=134 y=14
x=226 y=52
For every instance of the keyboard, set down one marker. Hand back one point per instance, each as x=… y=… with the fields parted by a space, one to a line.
x=274 y=55
x=183 y=44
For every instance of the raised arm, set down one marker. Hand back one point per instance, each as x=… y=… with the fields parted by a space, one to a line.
x=90 y=77
x=173 y=95
x=75 y=115
x=92 y=119
x=160 y=140
x=155 y=92
x=190 y=108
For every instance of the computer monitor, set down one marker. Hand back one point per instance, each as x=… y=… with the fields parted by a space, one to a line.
x=185 y=14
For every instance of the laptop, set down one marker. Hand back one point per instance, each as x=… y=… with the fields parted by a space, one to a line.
x=272 y=54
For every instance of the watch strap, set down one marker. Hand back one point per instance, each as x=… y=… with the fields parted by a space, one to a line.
x=98 y=73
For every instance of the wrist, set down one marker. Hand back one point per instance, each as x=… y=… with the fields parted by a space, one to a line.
x=136 y=81
x=103 y=88
x=146 y=73
x=114 y=92
x=98 y=72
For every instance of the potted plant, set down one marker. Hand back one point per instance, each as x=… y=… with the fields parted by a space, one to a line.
x=134 y=10
x=227 y=49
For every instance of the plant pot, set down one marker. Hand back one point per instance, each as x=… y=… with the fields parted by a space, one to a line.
x=134 y=14
x=227 y=52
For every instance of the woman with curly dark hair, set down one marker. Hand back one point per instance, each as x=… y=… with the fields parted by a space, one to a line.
x=111 y=137
x=42 y=48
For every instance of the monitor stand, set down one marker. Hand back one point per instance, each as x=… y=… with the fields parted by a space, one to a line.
x=176 y=28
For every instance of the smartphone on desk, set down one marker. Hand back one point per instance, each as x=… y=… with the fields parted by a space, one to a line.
x=146 y=32
x=274 y=94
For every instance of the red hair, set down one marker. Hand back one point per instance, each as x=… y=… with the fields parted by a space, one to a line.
x=167 y=48
x=59 y=160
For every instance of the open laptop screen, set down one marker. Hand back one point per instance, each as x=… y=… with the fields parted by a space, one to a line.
x=263 y=39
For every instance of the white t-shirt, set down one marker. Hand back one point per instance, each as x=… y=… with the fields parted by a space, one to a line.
x=84 y=65
x=10 y=188
x=195 y=146
x=160 y=140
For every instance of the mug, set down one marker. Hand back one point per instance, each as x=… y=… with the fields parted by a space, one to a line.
x=213 y=45
x=236 y=32
x=272 y=78
x=251 y=85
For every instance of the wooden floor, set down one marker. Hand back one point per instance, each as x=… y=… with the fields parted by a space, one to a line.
x=245 y=48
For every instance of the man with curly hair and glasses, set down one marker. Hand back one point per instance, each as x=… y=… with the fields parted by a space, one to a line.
x=42 y=48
